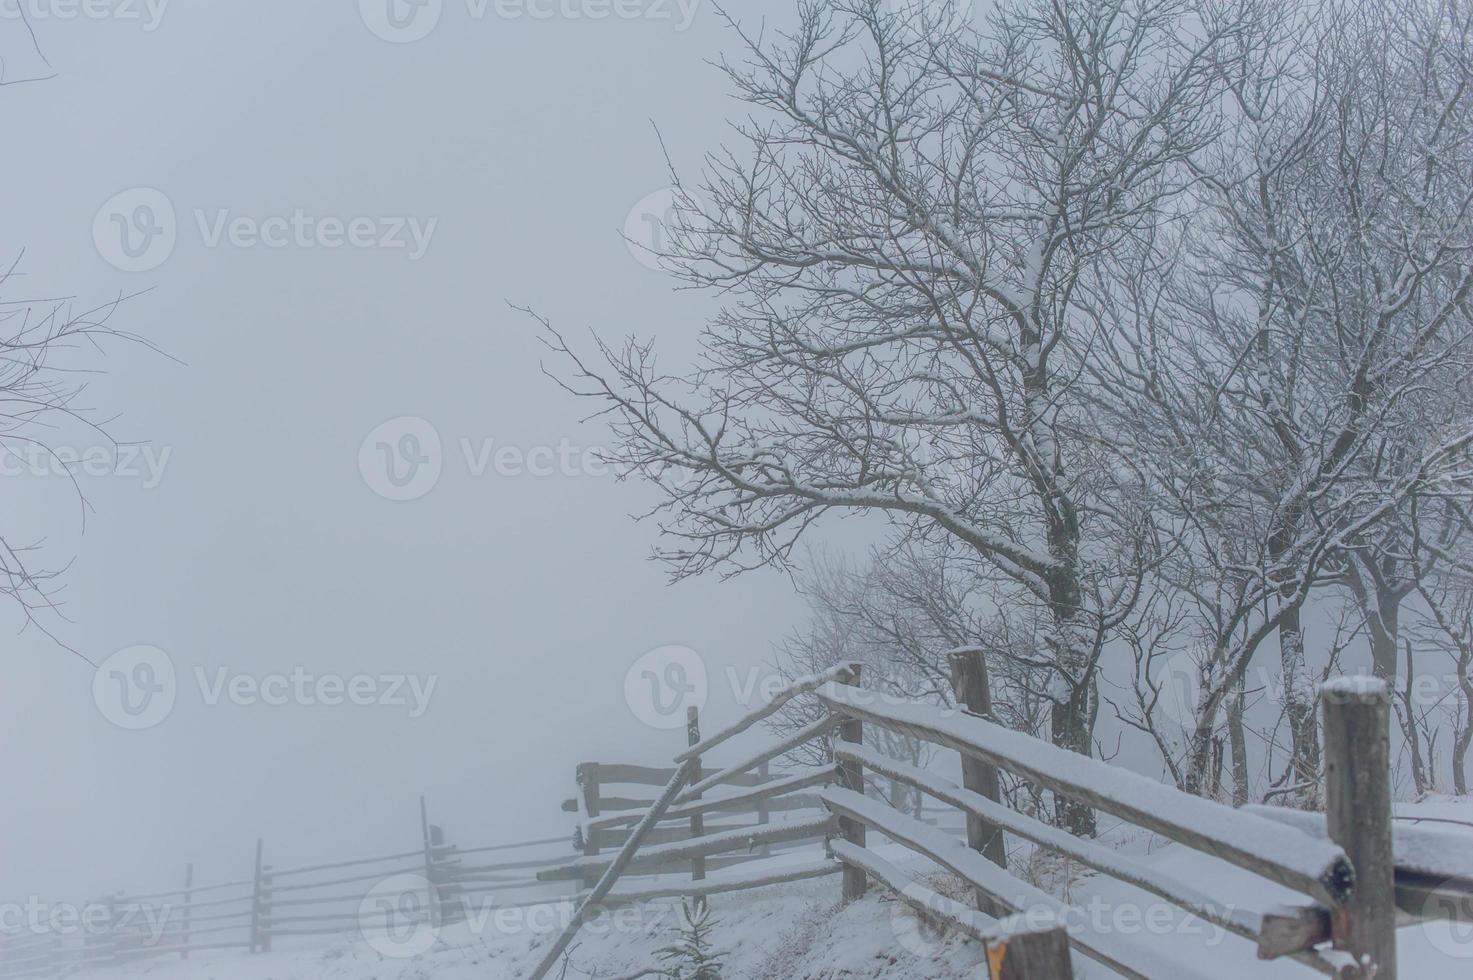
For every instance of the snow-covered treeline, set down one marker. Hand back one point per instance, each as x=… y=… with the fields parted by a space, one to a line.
x=1146 y=326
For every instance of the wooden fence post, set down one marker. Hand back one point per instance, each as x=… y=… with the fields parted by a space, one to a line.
x=973 y=692
x=432 y=904
x=185 y=913
x=589 y=792
x=851 y=776
x=1357 y=720
x=1040 y=955
x=764 y=812
x=256 y=896
x=697 y=821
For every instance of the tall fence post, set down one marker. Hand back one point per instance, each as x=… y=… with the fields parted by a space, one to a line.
x=1042 y=955
x=974 y=693
x=697 y=821
x=185 y=911
x=851 y=777
x=256 y=899
x=589 y=793
x=764 y=812
x=432 y=904
x=1357 y=719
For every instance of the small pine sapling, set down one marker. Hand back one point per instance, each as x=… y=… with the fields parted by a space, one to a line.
x=693 y=956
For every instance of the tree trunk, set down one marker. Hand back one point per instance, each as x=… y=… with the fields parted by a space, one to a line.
x=1407 y=715
x=1299 y=708
x=1072 y=729
x=1463 y=739
x=1237 y=738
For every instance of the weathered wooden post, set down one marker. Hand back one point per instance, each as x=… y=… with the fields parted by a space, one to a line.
x=589 y=793
x=697 y=821
x=764 y=812
x=851 y=777
x=1042 y=955
x=974 y=693
x=1357 y=719
x=257 y=897
x=185 y=912
x=432 y=903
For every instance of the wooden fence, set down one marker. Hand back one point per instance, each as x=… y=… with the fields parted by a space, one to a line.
x=1359 y=875
x=1358 y=878
x=435 y=883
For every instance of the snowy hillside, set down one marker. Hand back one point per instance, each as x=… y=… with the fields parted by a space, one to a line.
x=802 y=932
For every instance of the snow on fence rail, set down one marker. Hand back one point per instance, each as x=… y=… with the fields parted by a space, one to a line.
x=275 y=903
x=1344 y=867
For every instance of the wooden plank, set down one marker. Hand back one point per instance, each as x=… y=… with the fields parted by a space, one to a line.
x=1300 y=862
x=1357 y=720
x=747 y=837
x=799 y=687
x=618 y=773
x=801 y=737
x=926 y=901
x=1434 y=868
x=1035 y=955
x=1120 y=953
x=1292 y=930
x=1239 y=921
x=766 y=796
x=612 y=873
x=721 y=884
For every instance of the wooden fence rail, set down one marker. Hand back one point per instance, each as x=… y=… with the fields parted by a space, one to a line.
x=1353 y=867
x=249 y=914
x=1348 y=868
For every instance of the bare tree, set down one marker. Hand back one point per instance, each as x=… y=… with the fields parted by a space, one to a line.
x=902 y=243
x=40 y=389
x=1267 y=354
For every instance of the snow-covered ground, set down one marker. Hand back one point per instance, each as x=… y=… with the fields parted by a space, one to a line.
x=802 y=932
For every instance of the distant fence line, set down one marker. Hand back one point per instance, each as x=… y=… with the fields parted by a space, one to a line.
x=275 y=903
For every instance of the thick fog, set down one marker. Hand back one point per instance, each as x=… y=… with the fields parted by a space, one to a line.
x=251 y=529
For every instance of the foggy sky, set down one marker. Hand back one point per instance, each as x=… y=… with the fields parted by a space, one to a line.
x=262 y=549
